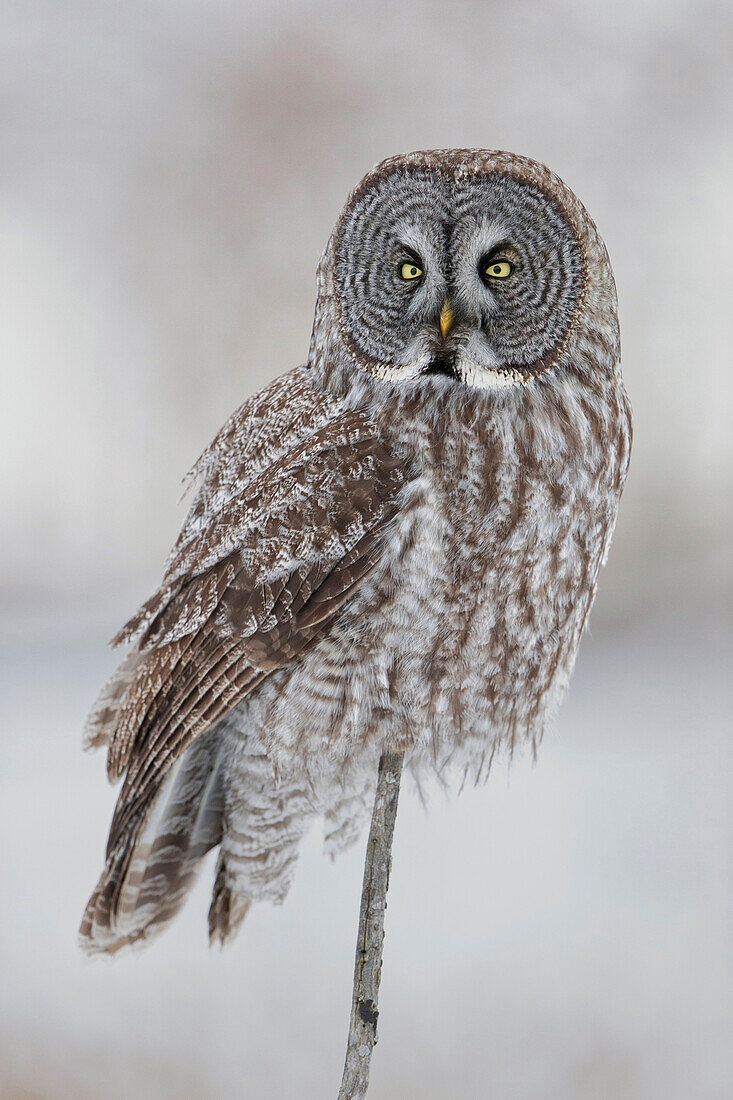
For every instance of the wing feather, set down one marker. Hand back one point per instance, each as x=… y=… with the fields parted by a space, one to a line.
x=268 y=555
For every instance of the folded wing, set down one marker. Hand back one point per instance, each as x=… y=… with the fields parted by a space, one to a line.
x=263 y=566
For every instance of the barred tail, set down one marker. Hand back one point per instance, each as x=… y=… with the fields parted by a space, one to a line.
x=154 y=864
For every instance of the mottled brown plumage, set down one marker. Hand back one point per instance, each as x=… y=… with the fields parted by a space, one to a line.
x=396 y=545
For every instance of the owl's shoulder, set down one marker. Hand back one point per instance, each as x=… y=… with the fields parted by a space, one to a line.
x=266 y=425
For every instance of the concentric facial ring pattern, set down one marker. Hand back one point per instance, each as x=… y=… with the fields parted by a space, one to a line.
x=451 y=223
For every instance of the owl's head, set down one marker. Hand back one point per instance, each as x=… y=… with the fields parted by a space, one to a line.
x=467 y=265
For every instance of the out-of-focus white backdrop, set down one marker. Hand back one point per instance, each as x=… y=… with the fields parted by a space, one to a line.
x=169 y=173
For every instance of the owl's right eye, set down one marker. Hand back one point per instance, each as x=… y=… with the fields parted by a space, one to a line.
x=410 y=271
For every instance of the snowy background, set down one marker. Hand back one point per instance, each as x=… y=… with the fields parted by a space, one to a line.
x=169 y=173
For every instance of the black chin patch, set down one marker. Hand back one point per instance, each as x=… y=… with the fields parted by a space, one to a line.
x=442 y=364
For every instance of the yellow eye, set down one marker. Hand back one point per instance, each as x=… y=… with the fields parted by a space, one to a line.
x=499 y=270
x=411 y=271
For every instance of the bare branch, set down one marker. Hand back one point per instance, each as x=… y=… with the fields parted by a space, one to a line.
x=370 y=941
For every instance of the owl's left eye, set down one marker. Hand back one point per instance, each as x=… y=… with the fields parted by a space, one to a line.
x=499 y=270
x=410 y=271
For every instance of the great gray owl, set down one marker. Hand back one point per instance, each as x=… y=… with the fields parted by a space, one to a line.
x=394 y=545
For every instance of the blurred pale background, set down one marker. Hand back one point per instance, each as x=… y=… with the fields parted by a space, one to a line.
x=169 y=173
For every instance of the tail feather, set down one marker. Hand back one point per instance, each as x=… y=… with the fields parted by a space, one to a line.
x=225 y=791
x=227 y=910
x=151 y=869
x=266 y=816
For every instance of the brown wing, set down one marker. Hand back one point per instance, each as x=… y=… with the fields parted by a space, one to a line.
x=245 y=594
x=268 y=424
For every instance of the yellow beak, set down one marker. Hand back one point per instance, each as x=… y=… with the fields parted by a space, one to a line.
x=447 y=317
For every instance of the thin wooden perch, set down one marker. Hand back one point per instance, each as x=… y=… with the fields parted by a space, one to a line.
x=368 y=964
